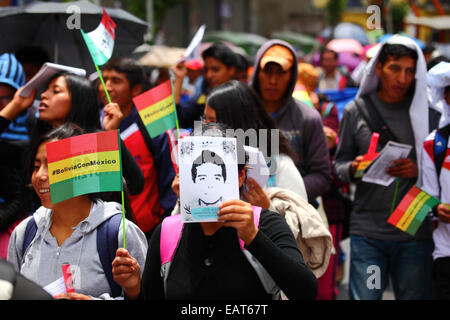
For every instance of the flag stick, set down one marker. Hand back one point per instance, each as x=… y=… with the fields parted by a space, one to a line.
x=103 y=82
x=397 y=181
x=120 y=152
x=123 y=201
x=176 y=116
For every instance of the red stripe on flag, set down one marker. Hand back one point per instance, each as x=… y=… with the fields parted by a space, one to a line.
x=84 y=144
x=403 y=205
x=373 y=143
x=109 y=24
x=152 y=96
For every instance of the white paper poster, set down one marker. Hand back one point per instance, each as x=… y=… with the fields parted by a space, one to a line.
x=376 y=173
x=208 y=176
x=257 y=167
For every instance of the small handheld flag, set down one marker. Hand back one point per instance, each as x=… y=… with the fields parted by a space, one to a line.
x=100 y=42
x=84 y=164
x=412 y=210
x=369 y=157
x=156 y=108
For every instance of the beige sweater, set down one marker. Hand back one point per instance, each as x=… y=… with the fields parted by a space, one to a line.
x=311 y=232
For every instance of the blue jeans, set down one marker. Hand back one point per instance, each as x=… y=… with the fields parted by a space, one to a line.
x=409 y=264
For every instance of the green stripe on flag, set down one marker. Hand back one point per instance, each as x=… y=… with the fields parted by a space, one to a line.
x=420 y=216
x=97 y=55
x=90 y=183
x=161 y=125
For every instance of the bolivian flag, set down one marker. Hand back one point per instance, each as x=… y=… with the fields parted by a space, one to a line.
x=369 y=157
x=84 y=164
x=412 y=210
x=156 y=108
x=100 y=42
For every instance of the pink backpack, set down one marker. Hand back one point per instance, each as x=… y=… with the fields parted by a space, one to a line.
x=171 y=230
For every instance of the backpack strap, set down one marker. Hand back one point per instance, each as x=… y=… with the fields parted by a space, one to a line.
x=107 y=245
x=171 y=229
x=167 y=244
x=30 y=233
x=374 y=120
x=440 y=147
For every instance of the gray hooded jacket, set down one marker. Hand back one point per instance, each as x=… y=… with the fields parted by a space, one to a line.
x=42 y=260
x=409 y=121
x=303 y=126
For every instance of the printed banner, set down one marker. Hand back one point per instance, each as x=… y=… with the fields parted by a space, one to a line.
x=84 y=164
x=412 y=210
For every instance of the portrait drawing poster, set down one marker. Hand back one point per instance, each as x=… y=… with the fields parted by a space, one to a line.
x=208 y=176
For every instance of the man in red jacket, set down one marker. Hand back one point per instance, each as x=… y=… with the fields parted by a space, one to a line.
x=123 y=79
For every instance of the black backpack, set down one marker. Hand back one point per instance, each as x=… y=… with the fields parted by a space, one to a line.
x=374 y=120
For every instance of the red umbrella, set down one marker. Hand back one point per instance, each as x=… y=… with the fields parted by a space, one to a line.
x=345 y=45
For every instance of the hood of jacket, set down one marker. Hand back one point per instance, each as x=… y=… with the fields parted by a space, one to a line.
x=438 y=78
x=418 y=110
x=254 y=83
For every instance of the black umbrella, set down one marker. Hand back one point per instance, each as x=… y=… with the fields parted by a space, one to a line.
x=45 y=24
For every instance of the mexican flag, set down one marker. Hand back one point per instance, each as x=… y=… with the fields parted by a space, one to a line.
x=156 y=108
x=84 y=164
x=100 y=42
x=412 y=210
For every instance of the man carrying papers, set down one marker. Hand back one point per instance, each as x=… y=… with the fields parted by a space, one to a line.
x=391 y=101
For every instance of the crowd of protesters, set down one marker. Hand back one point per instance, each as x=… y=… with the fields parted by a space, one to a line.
x=312 y=200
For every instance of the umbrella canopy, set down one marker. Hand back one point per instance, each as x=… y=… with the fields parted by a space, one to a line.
x=345 y=45
x=346 y=30
x=44 y=24
x=349 y=60
x=248 y=41
x=305 y=42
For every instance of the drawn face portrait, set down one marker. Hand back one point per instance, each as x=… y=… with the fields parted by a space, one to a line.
x=209 y=183
x=209 y=176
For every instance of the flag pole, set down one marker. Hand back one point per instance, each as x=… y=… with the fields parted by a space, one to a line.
x=120 y=151
x=175 y=107
x=121 y=174
x=397 y=181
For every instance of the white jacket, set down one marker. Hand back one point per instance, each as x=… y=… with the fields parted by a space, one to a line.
x=439 y=187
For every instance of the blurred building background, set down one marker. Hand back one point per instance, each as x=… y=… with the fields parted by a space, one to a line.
x=174 y=22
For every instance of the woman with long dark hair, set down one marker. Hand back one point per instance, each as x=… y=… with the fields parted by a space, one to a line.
x=71 y=98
